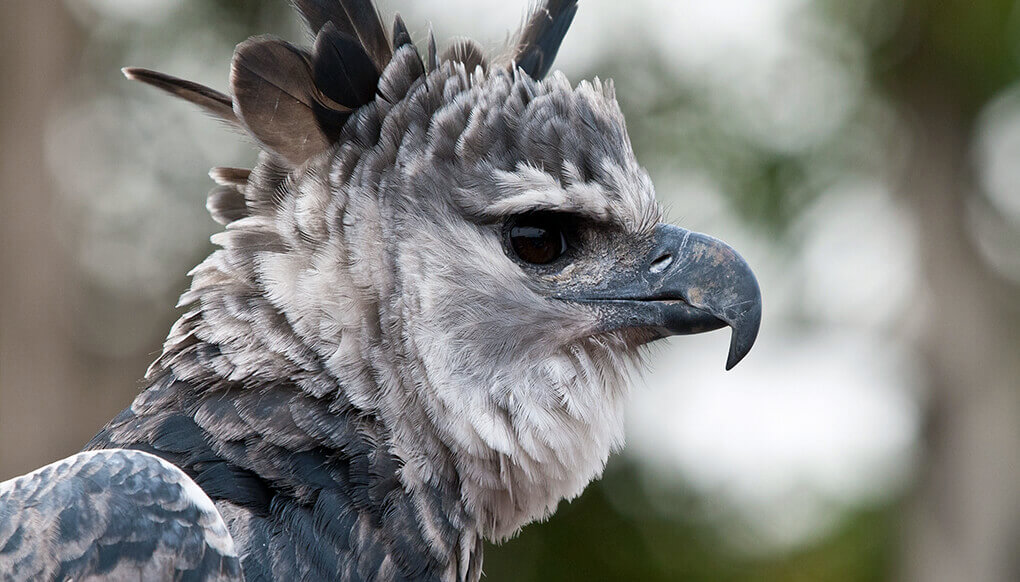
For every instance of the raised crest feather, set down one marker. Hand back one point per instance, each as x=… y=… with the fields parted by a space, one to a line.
x=401 y=36
x=542 y=35
x=276 y=97
x=342 y=69
x=230 y=176
x=210 y=100
x=358 y=18
x=295 y=102
x=432 y=54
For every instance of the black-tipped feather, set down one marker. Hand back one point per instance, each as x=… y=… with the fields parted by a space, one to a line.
x=276 y=97
x=357 y=18
x=210 y=100
x=468 y=52
x=540 y=40
x=401 y=36
x=342 y=69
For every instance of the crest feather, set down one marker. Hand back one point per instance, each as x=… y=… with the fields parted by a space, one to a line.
x=296 y=101
x=432 y=54
x=542 y=35
x=343 y=71
x=276 y=97
x=210 y=100
x=357 y=18
x=230 y=176
x=401 y=36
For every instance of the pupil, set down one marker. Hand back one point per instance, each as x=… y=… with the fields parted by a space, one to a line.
x=537 y=244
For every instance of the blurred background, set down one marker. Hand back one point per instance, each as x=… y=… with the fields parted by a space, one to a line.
x=863 y=156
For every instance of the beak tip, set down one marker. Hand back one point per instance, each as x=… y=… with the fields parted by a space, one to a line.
x=734 y=358
x=737 y=354
x=745 y=332
x=731 y=362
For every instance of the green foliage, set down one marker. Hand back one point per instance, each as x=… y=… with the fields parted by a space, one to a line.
x=593 y=539
x=973 y=45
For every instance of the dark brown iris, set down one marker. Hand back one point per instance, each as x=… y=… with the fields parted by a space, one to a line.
x=537 y=239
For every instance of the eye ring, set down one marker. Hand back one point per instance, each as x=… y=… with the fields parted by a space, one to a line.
x=536 y=239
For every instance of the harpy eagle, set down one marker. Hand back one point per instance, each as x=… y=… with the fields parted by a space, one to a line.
x=415 y=335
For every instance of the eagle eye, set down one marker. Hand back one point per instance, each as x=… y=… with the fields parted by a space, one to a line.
x=537 y=239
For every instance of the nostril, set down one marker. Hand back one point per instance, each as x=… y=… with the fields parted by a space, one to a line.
x=661 y=264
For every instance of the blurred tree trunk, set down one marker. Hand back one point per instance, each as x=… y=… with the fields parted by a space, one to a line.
x=963 y=523
x=39 y=375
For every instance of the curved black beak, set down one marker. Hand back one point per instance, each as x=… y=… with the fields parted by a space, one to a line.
x=688 y=283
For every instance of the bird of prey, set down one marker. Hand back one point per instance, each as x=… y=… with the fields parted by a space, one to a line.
x=416 y=332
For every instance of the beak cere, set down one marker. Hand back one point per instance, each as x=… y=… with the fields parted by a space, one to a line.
x=689 y=283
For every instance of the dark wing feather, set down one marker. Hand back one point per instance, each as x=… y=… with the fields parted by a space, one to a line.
x=544 y=31
x=116 y=515
x=276 y=98
x=358 y=18
x=210 y=100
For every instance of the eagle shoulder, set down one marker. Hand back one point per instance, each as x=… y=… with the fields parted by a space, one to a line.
x=114 y=515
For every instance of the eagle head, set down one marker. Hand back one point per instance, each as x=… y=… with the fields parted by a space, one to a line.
x=467 y=251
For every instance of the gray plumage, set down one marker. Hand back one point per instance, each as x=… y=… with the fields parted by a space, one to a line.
x=226 y=202
x=119 y=515
x=468 y=53
x=417 y=332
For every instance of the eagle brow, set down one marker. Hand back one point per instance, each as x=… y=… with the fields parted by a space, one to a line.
x=531 y=190
x=592 y=209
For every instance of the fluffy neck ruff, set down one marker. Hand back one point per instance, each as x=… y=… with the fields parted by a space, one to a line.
x=516 y=424
x=516 y=432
